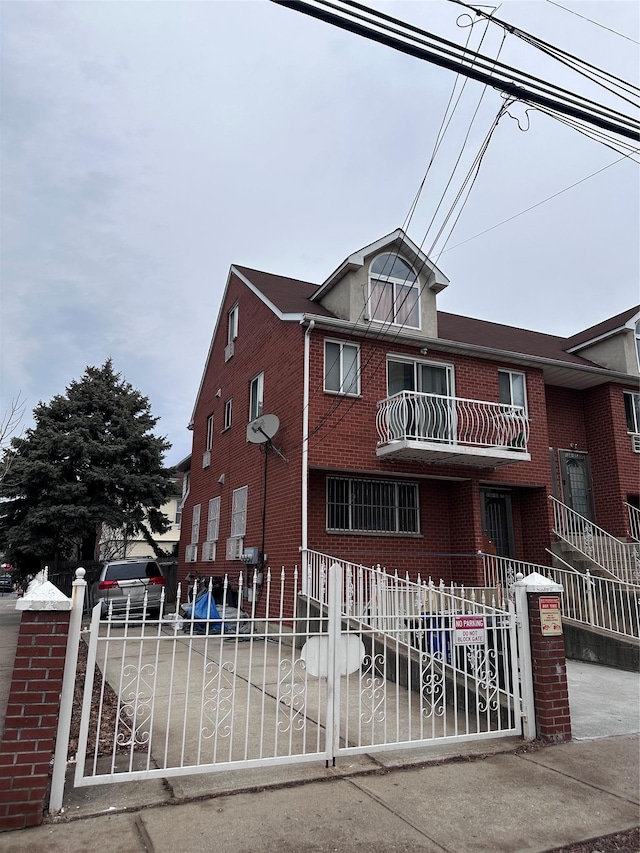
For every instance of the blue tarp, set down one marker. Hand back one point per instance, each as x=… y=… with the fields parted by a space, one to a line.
x=205 y=609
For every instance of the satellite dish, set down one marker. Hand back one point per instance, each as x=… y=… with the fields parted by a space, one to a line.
x=262 y=429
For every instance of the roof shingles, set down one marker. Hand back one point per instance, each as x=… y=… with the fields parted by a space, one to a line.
x=291 y=296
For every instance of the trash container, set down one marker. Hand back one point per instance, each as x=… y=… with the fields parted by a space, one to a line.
x=438 y=635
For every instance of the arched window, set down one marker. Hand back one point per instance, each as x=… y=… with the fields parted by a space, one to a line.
x=394 y=293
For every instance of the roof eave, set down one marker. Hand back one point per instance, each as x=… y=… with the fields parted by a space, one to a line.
x=600 y=374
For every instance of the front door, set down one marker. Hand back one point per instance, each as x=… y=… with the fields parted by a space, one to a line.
x=497 y=521
x=575 y=476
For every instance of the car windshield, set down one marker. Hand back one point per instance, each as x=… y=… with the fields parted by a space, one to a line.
x=132 y=571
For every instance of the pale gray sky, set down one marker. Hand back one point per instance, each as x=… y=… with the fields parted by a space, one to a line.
x=149 y=145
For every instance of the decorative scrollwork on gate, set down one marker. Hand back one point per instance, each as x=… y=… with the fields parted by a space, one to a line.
x=431 y=685
x=372 y=692
x=136 y=699
x=217 y=707
x=482 y=665
x=291 y=695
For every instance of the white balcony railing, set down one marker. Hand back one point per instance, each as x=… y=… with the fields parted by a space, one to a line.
x=451 y=421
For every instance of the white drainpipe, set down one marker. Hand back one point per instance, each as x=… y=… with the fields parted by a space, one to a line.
x=305 y=452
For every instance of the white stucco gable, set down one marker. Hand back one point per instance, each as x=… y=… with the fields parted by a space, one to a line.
x=347 y=291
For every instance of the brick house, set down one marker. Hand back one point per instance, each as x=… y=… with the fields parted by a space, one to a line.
x=409 y=437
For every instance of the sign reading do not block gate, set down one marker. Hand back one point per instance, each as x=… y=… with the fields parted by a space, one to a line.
x=470 y=631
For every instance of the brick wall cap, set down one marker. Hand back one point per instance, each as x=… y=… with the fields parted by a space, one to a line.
x=41 y=594
x=535 y=582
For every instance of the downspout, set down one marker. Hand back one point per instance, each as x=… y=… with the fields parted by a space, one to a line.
x=305 y=454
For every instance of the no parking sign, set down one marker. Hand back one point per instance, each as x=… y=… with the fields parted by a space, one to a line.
x=470 y=631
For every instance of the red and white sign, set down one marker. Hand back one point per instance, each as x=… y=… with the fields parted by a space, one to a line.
x=470 y=631
x=550 y=618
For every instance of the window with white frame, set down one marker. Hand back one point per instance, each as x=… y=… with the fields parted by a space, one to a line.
x=206 y=456
x=637 y=330
x=342 y=367
x=213 y=525
x=232 y=328
x=513 y=388
x=186 y=485
x=239 y=512
x=191 y=553
x=256 y=391
x=228 y=409
x=394 y=292
x=372 y=506
x=632 y=411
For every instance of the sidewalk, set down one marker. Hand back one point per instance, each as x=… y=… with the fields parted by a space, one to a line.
x=525 y=801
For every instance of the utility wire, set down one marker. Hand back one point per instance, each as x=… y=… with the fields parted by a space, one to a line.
x=584 y=18
x=423 y=45
x=533 y=206
x=386 y=327
x=368 y=307
x=568 y=98
x=577 y=64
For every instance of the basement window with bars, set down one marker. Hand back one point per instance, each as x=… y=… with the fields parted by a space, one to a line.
x=372 y=506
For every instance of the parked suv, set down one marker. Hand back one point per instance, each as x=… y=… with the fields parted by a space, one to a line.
x=129 y=579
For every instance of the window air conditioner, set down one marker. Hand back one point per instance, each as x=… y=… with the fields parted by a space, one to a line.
x=234 y=548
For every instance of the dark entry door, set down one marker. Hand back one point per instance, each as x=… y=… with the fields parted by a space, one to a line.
x=577 y=488
x=497 y=521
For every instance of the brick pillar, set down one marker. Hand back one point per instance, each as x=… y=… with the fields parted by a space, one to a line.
x=550 y=689
x=32 y=711
x=544 y=670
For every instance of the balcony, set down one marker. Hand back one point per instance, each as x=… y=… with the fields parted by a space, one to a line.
x=451 y=431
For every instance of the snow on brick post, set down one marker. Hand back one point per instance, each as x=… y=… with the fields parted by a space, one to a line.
x=549 y=670
x=34 y=699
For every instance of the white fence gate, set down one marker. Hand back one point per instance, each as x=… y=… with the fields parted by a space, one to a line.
x=363 y=662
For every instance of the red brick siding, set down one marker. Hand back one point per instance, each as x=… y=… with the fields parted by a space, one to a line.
x=343 y=438
x=32 y=718
x=266 y=344
x=614 y=466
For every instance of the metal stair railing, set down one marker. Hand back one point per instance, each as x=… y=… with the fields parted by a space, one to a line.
x=634 y=521
x=619 y=559
x=601 y=603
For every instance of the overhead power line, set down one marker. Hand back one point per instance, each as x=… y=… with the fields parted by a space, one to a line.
x=421 y=44
x=533 y=206
x=603 y=78
x=584 y=18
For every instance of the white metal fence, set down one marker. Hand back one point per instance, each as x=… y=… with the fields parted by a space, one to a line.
x=599 y=602
x=363 y=664
x=621 y=559
x=451 y=420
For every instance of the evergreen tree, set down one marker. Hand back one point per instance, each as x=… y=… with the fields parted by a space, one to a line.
x=90 y=459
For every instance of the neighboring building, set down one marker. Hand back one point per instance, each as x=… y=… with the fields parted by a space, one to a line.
x=116 y=544
x=431 y=436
